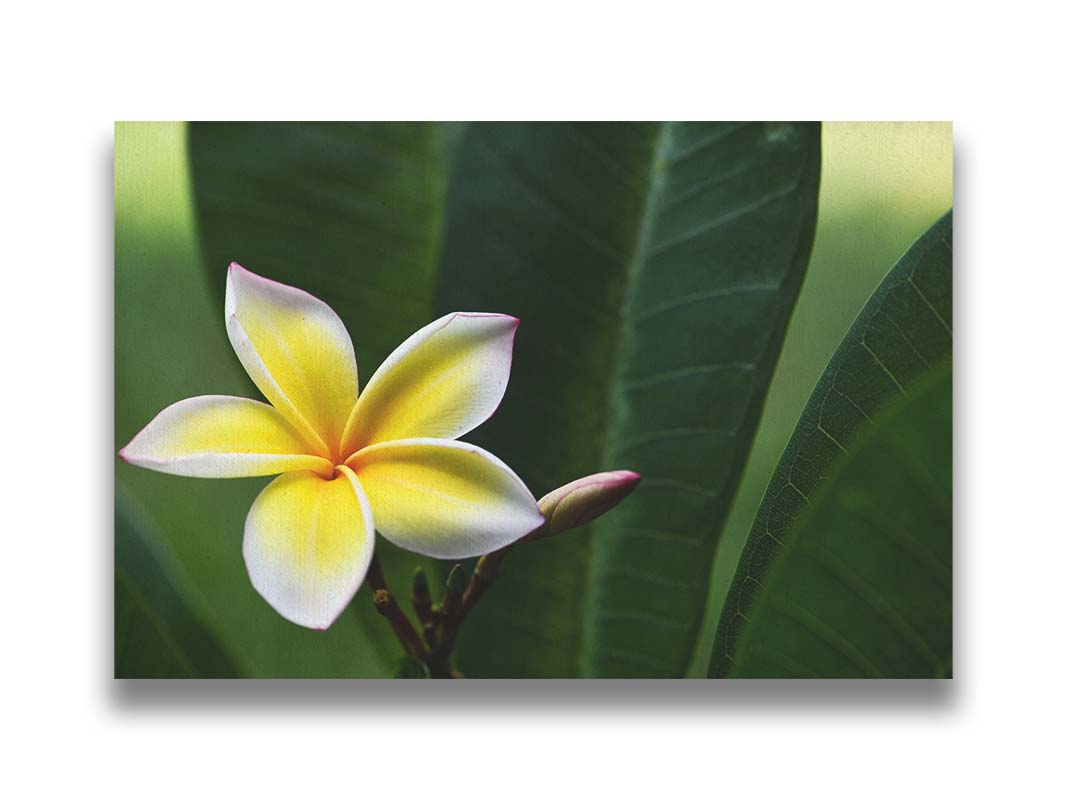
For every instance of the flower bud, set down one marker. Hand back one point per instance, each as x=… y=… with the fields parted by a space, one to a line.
x=420 y=597
x=583 y=500
x=457 y=580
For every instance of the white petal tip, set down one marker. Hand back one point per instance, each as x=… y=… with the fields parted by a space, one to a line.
x=506 y=318
x=135 y=458
x=318 y=625
x=236 y=271
x=291 y=613
x=540 y=523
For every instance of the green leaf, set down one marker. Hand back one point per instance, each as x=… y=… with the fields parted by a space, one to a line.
x=654 y=267
x=350 y=212
x=170 y=343
x=411 y=668
x=847 y=570
x=157 y=634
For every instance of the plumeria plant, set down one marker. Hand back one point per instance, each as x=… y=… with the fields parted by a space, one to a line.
x=658 y=267
x=352 y=462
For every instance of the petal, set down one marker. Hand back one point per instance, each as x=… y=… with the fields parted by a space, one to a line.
x=445 y=380
x=221 y=437
x=308 y=543
x=297 y=351
x=444 y=499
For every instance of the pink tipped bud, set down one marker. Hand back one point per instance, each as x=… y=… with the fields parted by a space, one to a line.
x=583 y=500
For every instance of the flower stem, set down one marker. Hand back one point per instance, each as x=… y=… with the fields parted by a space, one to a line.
x=440 y=622
x=484 y=575
x=388 y=608
x=421 y=599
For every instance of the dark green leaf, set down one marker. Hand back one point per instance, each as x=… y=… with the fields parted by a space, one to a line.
x=157 y=634
x=410 y=667
x=847 y=570
x=654 y=267
x=170 y=343
x=350 y=212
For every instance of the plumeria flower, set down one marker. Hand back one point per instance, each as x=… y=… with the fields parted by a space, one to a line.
x=351 y=462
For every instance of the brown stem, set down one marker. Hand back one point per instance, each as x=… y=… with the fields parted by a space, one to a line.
x=451 y=610
x=440 y=623
x=388 y=608
x=375 y=576
x=484 y=575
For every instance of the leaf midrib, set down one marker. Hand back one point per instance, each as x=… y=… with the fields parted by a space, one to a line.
x=654 y=181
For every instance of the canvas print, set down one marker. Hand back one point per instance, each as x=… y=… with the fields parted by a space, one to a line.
x=533 y=400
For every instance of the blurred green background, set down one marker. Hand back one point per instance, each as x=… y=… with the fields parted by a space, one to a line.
x=882 y=185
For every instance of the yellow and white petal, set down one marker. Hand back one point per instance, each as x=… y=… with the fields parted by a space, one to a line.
x=443 y=498
x=221 y=437
x=297 y=351
x=308 y=543
x=444 y=381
